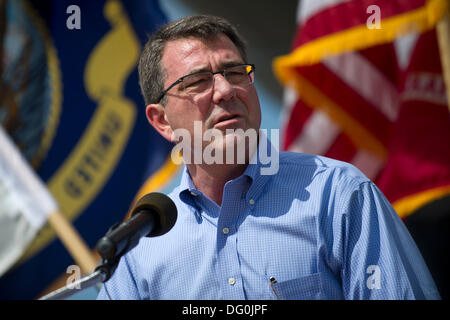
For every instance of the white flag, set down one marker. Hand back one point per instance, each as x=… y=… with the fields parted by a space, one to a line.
x=25 y=203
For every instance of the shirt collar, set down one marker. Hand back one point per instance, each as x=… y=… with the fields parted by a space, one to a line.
x=187 y=190
x=257 y=181
x=253 y=171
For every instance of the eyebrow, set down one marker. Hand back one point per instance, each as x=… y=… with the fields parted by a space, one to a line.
x=222 y=66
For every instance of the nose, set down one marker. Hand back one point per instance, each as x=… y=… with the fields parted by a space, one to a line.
x=223 y=90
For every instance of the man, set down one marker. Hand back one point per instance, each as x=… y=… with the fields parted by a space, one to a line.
x=314 y=229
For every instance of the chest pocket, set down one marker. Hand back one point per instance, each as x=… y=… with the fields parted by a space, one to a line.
x=304 y=288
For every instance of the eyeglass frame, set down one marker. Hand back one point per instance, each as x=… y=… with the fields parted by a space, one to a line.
x=222 y=72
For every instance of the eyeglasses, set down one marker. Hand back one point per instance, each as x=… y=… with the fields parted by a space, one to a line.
x=192 y=84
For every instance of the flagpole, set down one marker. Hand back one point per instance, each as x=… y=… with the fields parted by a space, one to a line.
x=72 y=242
x=443 y=34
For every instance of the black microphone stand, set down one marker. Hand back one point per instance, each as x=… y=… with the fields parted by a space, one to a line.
x=102 y=272
x=70 y=289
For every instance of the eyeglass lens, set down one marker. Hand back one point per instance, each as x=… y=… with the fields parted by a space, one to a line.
x=200 y=82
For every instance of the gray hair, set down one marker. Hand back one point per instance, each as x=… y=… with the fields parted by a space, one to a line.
x=151 y=73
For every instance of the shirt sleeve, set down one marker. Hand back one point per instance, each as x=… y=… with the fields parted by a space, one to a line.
x=380 y=258
x=122 y=285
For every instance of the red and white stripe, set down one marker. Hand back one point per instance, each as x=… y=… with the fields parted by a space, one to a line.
x=356 y=81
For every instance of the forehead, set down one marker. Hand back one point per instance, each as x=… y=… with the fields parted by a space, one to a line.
x=185 y=55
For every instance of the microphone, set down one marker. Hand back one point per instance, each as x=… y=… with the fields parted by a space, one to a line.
x=153 y=215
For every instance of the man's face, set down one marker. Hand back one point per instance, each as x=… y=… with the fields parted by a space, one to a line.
x=186 y=56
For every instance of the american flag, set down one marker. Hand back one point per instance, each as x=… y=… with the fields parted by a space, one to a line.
x=364 y=85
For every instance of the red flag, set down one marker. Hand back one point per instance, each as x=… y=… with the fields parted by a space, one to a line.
x=418 y=166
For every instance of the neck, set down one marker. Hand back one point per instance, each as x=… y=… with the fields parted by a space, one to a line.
x=211 y=179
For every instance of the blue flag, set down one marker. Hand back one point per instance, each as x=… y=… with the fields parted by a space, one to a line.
x=70 y=101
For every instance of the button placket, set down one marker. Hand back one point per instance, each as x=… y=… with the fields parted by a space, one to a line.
x=228 y=266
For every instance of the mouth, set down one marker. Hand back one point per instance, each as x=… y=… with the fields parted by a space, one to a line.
x=227 y=120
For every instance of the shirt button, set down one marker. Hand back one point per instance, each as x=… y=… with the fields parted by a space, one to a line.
x=226 y=231
x=252 y=202
x=231 y=281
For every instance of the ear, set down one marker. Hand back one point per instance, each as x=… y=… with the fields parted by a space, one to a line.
x=156 y=115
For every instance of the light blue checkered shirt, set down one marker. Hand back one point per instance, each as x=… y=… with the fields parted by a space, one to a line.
x=318 y=227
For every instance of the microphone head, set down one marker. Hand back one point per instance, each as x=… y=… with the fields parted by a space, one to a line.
x=163 y=206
